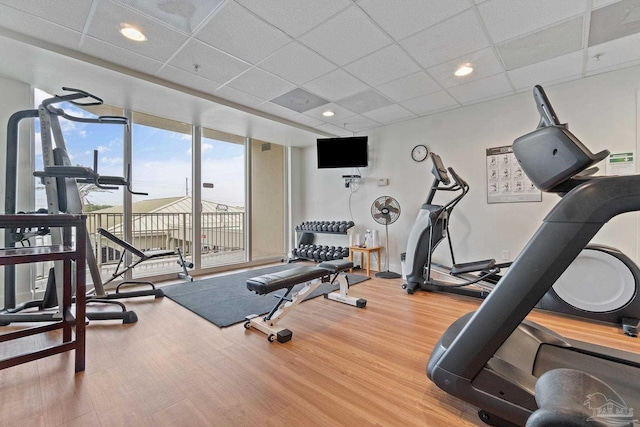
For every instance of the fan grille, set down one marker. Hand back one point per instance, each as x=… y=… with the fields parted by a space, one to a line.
x=385 y=210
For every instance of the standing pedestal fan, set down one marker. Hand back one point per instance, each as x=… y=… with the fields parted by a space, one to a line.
x=386 y=210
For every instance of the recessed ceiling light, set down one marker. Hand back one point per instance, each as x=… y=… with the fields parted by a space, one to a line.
x=132 y=33
x=328 y=113
x=464 y=70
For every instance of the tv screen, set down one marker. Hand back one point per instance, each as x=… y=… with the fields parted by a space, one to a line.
x=348 y=152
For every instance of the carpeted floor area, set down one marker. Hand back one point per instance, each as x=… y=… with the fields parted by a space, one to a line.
x=225 y=300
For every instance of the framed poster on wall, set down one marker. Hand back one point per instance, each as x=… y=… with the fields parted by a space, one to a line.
x=506 y=181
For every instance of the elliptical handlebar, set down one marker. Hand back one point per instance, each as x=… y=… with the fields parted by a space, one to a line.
x=462 y=184
x=441 y=175
x=458 y=179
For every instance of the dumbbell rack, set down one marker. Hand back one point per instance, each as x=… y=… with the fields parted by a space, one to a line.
x=321 y=253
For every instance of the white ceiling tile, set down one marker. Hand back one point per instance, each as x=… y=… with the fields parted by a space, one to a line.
x=484 y=63
x=306 y=120
x=352 y=31
x=296 y=63
x=359 y=123
x=239 y=33
x=411 y=16
x=551 y=42
x=364 y=101
x=277 y=110
x=548 y=72
x=387 y=64
x=600 y=3
x=257 y=51
x=446 y=41
x=506 y=19
x=239 y=97
x=480 y=90
x=340 y=113
x=432 y=103
x=117 y=55
x=70 y=14
x=614 y=54
x=612 y=22
x=22 y=22
x=161 y=43
x=189 y=79
x=409 y=87
x=335 y=130
x=213 y=64
x=184 y=15
x=295 y=17
x=261 y=84
x=390 y=114
x=335 y=85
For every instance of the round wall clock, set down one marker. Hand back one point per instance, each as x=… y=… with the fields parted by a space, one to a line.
x=419 y=152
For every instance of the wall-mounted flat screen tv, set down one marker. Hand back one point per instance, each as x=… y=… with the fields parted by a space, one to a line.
x=348 y=152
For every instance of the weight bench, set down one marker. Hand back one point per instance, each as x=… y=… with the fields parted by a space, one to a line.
x=325 y=272
x=142 y=256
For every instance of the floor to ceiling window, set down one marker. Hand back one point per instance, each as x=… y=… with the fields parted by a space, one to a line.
x=161 y=159
x=231 y=172
x=223 y=220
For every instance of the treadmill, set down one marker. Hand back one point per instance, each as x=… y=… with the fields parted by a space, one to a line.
x=493 y=357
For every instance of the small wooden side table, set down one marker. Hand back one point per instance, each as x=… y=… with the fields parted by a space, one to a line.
x=366 y=251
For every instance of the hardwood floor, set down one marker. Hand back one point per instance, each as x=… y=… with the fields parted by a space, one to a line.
x=344 y=366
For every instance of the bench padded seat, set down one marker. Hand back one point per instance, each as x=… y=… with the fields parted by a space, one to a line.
x=284 y=279
x=336 y=266
x=287 y=278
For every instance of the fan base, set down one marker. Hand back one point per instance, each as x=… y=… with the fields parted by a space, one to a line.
x=388 y=275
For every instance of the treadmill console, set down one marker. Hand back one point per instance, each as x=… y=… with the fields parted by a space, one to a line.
x=551 y=155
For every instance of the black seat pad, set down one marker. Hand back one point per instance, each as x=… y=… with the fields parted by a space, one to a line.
x=336 y=266
x=284 y=279
x=287 y=278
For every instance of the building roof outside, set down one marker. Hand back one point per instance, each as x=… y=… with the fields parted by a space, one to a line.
x=156 y=216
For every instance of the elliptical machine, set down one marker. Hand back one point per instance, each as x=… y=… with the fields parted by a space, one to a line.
x=429 y=229
x=616 y=302
x=494 y=358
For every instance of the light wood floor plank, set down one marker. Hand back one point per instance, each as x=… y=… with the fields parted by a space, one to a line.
x=344 y=366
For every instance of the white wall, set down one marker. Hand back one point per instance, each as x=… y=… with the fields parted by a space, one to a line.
x=600 y=110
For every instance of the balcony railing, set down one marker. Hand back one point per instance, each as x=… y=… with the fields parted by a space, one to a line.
x=221 y=231
x=222 y=240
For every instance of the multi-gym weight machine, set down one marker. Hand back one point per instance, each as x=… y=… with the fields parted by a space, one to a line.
x=60 y=180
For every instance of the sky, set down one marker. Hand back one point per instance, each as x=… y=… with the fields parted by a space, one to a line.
x=161 y=160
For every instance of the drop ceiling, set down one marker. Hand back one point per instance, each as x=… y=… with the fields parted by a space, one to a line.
x=271 y=68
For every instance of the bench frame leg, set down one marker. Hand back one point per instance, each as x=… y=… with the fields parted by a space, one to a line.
x=268 y=324
x=342 y=295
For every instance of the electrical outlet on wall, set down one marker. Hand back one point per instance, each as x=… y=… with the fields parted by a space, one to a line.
x=383 y=181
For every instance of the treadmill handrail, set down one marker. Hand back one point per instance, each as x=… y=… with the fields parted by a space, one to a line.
x=574 y=220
